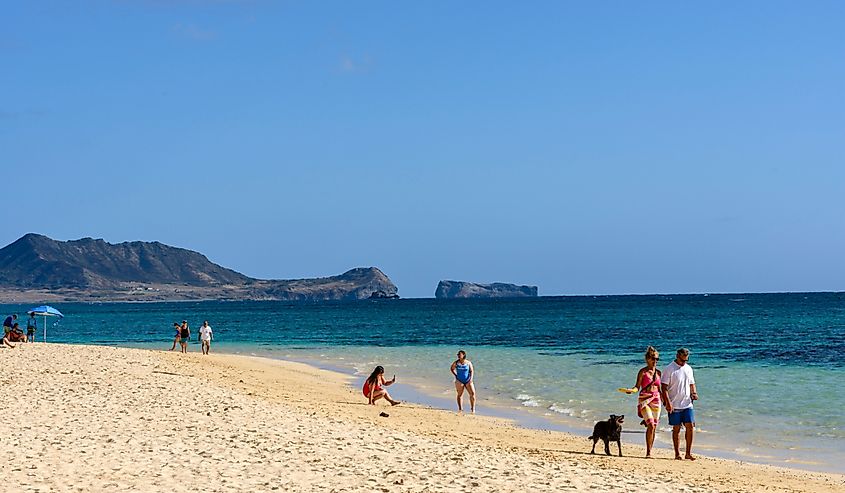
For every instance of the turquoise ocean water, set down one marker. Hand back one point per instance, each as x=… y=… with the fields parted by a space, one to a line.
x=768 y=366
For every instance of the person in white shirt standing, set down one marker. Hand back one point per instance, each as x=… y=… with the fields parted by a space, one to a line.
x=205 y=337
x=678 y=388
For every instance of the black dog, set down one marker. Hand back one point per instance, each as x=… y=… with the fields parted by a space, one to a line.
x=609 y=431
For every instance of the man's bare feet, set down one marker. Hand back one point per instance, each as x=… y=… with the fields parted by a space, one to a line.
x=678 y=457
x=689 y=457
x=395 y=403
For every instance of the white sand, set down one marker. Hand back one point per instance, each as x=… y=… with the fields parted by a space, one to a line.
x=82 y=418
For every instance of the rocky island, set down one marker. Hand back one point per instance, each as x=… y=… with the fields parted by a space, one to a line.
x=463 y=289
x=38 y=268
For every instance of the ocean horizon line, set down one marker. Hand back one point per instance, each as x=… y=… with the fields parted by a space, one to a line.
x=446 y=300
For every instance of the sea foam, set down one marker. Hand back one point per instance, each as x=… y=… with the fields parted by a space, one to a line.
x=527 y=400
x=562 y=410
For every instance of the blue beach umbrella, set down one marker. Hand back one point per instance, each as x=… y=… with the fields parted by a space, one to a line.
x=46 y=311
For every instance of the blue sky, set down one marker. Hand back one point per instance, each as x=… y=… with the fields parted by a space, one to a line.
x=585 y=147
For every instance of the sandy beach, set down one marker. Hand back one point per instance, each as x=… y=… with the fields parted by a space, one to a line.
x=86 y=418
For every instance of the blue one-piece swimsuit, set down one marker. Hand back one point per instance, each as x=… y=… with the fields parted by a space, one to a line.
x=462 y=371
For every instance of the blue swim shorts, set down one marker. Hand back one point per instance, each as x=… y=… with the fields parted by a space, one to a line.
x=677 y=418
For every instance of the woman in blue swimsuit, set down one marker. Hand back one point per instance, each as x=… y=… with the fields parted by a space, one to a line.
x=463 y=371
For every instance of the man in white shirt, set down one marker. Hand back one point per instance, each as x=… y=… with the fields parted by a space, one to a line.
x=678 y=390
x=205 y=337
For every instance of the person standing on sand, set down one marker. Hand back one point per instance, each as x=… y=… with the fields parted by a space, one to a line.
x=648 y=404
x=373 y=390
x=176 y=337
x=463 y=371
x=678 y=390
x=205 y=337
x=31 y=327
x=184 y=336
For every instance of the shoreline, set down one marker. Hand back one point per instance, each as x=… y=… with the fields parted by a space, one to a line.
x=542 y=419
x=106 y=417
x=421 y=392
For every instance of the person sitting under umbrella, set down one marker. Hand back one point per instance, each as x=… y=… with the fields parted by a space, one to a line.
x=16 y=334
x=6 y=341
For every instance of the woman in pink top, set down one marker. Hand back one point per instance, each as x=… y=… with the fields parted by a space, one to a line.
x=648 y=404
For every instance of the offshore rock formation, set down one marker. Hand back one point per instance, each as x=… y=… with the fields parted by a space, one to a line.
x=36 y=267
x=381 y=295
x=463 y=289
x=355 y=284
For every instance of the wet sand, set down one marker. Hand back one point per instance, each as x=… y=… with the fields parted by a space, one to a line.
x=86 y=418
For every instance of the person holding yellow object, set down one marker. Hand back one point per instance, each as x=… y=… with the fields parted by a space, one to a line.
x=648 y=403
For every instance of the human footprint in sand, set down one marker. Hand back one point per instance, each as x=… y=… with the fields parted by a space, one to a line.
x=373 y=387
x=463 y=371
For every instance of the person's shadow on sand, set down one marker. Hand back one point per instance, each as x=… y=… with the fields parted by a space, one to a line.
x=579 y=452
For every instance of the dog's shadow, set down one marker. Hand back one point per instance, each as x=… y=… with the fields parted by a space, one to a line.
x=574 y=452
x=612 y=456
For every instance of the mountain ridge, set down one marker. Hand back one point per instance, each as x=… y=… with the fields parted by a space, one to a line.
x=93 y=269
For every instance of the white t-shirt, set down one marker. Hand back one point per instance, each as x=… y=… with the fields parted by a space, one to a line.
x=678 y=379
x=205 y=333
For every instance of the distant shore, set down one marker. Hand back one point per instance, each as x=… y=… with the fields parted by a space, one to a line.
x=112 y=419
x=197 y=294
x=163 y=294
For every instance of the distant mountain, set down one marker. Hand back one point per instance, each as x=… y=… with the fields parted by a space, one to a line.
x=89 y=269
x=38 y=261
x=355 y=284
x=463 y=289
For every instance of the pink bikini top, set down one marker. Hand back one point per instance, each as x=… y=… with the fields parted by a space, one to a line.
x=647 y=382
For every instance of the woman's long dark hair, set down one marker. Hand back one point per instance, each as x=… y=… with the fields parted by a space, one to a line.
x=373 y=378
